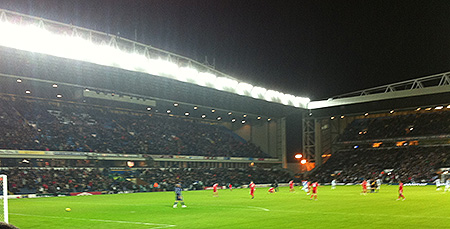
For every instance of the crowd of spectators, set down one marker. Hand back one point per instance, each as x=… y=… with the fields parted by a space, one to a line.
x=64 y=181
x=394 y=126
x=409 y=164
x=44 y=125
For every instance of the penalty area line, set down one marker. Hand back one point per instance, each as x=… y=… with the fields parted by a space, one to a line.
x=158 y=225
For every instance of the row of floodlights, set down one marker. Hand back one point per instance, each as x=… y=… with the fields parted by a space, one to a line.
x=435 y=108
x=168 y=111
x=35 y=39
x=393 y=111
x=219 y=118
x=53 y=86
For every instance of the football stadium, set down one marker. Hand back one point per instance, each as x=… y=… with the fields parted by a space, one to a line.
x=101 y=131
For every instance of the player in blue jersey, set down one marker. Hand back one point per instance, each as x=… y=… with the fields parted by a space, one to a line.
x=178 y=197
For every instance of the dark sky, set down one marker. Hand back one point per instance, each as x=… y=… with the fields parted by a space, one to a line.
x=307 y=48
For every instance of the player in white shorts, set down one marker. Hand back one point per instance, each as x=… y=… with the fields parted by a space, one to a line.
x=438 y=184
x=447 y=185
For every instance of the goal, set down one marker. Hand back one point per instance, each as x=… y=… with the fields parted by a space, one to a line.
x=4 y=198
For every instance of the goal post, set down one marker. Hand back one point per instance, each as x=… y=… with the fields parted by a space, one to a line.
x=4 y=196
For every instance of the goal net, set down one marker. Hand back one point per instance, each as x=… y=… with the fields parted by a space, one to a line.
x=4 y=198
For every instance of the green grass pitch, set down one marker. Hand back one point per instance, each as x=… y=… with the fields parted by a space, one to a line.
x=343 y=207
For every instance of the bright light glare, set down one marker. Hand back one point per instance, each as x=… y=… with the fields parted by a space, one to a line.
x=298 y=156
x=258 y=92
x=206 y=79
x=244 y=89
x=303 y=161
x=186 y=74
x=36 y=39
x=225 y=84
x=272 y=95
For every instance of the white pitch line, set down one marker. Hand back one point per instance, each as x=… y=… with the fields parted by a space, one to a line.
x=102 y=220
x=366 y=214
x=264 y=209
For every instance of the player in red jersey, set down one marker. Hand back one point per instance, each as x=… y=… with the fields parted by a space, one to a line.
x=314 y=190
x=309 y=188
x=291 y=186
x=364 y=188
x=252 y=189
x=230 y=186
x=215 y=193
x=271 y=190
x=400 y=191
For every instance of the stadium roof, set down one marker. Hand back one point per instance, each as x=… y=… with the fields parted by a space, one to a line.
x=62 y=40
x=428 y=85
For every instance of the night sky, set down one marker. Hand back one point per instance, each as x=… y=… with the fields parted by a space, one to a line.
x=307 y=48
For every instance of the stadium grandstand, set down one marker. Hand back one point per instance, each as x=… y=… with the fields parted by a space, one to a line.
x=393 y=132
x=82 y=110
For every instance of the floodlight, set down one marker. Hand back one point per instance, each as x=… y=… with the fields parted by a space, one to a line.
x=162 y=68
x=258 y=92
x=298 y=156
x=212 y=111
x=55 y=85
x=332 y=117
x=219 y=118
x=302 y=101
x=272 y=96
x=19 y=81
x=203 y=116
x=168 y=111
x=243 y=121
x=230 y=113
x=186 y=113
x=288 y=99
x=233 y=120
x=186 y=74
x=225 y=84
x=195 y=107
x=28 y=92
x=439 y=107
x=59 y=96
x=149 y=108
x=303 y=161
x=244 y=89
x=206 y=79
